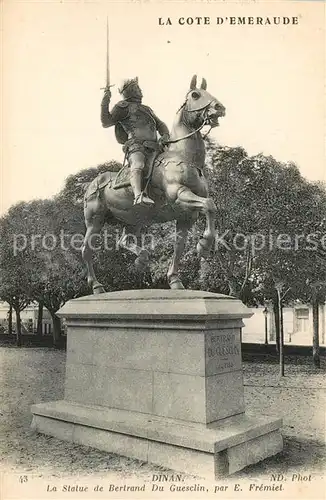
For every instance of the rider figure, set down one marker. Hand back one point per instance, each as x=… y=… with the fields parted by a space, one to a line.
x=136 y=127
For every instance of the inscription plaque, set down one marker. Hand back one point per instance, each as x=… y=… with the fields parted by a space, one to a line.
x=223 y=352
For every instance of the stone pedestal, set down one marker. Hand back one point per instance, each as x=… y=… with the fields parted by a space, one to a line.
x=156 y=375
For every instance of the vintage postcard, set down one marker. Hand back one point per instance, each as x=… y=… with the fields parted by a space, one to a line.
x=163 y=249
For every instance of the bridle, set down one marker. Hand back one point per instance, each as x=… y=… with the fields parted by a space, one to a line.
x=205 y=122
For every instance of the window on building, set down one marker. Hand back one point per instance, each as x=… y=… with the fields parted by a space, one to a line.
x=302 y=319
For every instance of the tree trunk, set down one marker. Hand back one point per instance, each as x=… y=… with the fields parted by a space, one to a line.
x=10 y=320
x=18 y=328
x=277 y=322
x=233 y=288
x=39 y=319
x=281 y=336
x=56 y=329
x=315 y=338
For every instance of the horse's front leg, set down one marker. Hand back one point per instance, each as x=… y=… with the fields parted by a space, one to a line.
x=181 y=233
x=94 y=226
x=190 y=201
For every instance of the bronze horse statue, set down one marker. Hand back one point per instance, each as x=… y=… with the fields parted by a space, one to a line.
x=177 y=185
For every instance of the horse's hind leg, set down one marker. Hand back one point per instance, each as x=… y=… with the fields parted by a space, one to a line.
x=190 y=201
x=181 y=233
x=129 y=241
x=94 y=223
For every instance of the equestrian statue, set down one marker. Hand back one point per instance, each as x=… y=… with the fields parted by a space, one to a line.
x=162 y=180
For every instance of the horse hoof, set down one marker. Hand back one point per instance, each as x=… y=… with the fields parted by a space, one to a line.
x=142 y=261
x=97 y=289
x=203 y=250
x=176 y=284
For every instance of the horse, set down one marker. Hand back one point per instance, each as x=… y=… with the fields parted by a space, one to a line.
x=177 y=185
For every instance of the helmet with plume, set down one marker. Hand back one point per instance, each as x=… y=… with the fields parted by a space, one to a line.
x=126 y=83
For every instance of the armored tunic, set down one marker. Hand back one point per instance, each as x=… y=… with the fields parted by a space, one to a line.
x=136 y=125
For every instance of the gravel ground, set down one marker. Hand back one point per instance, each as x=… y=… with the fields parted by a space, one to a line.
x=32 y=375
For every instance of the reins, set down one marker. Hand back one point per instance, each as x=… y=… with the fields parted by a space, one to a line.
x=173 y=141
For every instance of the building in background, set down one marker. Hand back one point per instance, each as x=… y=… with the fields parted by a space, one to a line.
x=297 y=325
x=29 y=318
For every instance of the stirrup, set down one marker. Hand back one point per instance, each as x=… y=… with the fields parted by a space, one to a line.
x=143 y=199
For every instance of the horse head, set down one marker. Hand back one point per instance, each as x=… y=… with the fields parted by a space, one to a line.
x=201 y=107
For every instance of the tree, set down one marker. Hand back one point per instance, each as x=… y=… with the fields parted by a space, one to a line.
x=301 y=225
x=37 y=261
x=10 y=319
x=59 y=273
x=318 y=292
x=14 y=269
x=39 y=329
x=272 y=223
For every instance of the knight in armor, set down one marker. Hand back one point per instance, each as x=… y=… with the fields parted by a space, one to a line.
x=136 y=127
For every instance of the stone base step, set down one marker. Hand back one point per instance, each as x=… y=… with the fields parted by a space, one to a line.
x=209 y=451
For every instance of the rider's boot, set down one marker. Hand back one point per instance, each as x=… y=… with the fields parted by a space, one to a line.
x=136 y=181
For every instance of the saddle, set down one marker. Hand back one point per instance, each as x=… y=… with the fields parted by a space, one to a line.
x=115 y=180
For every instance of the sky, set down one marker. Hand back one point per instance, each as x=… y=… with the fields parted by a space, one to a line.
x=269 y=78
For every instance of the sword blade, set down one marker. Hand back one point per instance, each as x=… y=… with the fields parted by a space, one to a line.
x=107 y=53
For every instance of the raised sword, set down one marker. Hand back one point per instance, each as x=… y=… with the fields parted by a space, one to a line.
x=108 y=83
